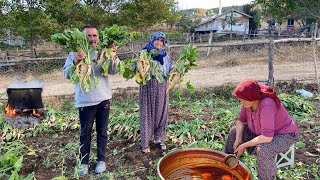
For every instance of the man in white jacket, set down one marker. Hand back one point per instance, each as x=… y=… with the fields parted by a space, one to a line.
x=93 y=105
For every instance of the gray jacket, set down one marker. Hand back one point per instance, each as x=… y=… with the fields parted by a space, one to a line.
x=95 y=95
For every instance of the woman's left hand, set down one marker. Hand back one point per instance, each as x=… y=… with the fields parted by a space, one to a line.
x=240 y=149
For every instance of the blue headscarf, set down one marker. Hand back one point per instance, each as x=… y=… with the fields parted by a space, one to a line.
x=160 y=52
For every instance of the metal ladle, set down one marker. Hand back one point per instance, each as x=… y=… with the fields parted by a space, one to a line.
x=231 y=160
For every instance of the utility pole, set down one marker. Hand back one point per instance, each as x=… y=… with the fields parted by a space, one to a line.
x=220 y=7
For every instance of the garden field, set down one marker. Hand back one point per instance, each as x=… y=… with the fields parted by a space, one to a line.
x=199 y=119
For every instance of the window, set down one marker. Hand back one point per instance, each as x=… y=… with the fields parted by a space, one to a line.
x=290 y=22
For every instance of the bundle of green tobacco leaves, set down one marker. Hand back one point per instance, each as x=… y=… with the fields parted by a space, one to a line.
x=145 y=67
x=187 y=60
x=73 y=40
x=109 y=41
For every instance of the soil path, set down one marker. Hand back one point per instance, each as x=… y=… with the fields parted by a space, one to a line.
x=208 y=76
x=209 y=73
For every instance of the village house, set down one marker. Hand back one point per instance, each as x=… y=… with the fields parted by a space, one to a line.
x=284 y=26
x=232 y=21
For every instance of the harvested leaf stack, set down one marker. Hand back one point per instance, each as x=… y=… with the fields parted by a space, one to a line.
x=74 y=40
x=186 y=61
x=109 y=41
x=145 y=67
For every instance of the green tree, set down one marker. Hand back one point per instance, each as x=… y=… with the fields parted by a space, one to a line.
x=73 y=13
x=173 y=17
x=211 y=11
x=144 y=13
x=229 y=20
x=27 y=19
x=104 y=12
x=186 y=22
x=293 y=8
x=254 y=22
x=312 y=8
x=66 y=13
x=304 y=10
x=200 y=12
x=3 y=18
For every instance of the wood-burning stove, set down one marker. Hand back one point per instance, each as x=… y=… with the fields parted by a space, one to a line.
x=25 y=107
x=25 y=98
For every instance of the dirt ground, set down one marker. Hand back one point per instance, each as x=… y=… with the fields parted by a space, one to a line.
x=210 y=73
x=126 y=153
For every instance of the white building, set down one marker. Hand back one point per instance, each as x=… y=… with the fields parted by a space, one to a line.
x=222 y=23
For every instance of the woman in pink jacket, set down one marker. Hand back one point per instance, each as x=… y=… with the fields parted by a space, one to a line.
x=264 y=127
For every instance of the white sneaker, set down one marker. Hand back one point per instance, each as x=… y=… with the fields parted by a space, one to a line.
x=83 y=170
x=101 y=167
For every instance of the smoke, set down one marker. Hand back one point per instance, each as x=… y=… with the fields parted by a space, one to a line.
x=20 y=84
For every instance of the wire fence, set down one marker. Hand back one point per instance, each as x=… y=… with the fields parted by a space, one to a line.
x=219 y=63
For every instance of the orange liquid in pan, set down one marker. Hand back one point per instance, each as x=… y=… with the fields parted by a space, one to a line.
x=204 y=173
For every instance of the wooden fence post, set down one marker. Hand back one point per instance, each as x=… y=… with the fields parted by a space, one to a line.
x=132 y=49
x=315 y=62
x=270 y=62
x=192 y=38
x=7 y=55
x=35 y=52
x=132 y=46
x=270 y=59
x=210 y=42
x=315 y=30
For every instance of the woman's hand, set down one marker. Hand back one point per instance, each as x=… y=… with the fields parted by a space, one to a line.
x=240 y=149
x=236 y=144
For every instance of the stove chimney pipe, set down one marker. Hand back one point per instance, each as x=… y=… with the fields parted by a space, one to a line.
x=220 y=7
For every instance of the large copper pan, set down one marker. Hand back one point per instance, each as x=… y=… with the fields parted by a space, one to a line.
x=200 y=163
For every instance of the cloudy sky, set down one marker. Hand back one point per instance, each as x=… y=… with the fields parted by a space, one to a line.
x=208 y=4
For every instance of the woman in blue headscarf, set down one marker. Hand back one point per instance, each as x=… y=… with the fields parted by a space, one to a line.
x=154 y=101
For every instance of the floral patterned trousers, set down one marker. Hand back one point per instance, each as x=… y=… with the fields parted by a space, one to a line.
x=265 y=152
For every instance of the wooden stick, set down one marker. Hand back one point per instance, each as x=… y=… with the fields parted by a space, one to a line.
x=315 y=62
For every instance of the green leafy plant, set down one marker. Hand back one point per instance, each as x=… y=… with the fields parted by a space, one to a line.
x=136 y=35
x=294 y=174
x=298 y=107
x=190 y=87
x=125 y=126
x=186 y=61
x=15 y=176
x=73 y=40
x=125 y=68
x=141 y=68
x=10 y=162
x=109 y=40
x=114 y=34
x=212 y=111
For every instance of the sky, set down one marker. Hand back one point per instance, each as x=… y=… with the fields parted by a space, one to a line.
x=208 y=4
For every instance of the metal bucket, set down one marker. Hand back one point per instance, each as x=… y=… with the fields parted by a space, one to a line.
x=200 y=163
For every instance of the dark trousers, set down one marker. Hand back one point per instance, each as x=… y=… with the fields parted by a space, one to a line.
x=100 y=113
